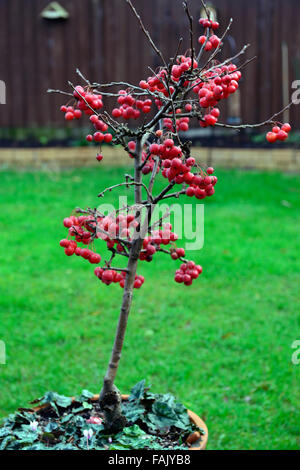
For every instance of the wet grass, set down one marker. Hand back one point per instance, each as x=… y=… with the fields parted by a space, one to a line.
x=222 y=346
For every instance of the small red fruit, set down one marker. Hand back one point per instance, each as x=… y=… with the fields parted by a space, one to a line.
x=271 y=137
x=69 y=116
x=202 y=39
x=282 y=135
x=190 y=192
x=286 y=127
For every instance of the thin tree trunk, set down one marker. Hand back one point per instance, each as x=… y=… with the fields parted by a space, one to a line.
x=110 y=398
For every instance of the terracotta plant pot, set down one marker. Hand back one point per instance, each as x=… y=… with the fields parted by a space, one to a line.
x=195 y=440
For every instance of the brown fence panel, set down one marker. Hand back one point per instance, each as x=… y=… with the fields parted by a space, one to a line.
x=103 y=39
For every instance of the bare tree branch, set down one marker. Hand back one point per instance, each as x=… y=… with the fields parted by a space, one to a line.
x=147 y=34
x=261 y=124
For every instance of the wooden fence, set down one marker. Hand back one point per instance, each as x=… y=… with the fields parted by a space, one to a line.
x=103 y=39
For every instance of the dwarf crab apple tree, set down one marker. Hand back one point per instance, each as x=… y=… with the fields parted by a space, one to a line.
x=189 y=87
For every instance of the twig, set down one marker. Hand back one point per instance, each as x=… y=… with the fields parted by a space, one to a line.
x=175 y=195
x=83 y=77
x=168 y=252
x=250 y=126
x=127 y=183
x=129 y=88
x=242 y=51
x=164 y=191
x=147 y=34
x=118 y=239
x=145 y=161
x=231 y=59
x=88 y=105
x=159 y=221
x=190 y=18
x=153 y=175
x=203 y=47
x=173 y=60
x=107 y=268
x=246 y=63
x=59 y=91
x=219 y=46
x=206 y=9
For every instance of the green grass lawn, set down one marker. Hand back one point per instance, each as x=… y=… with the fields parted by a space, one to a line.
x=222 y=346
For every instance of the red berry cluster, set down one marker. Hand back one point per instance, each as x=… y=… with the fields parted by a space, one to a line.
x=156 y=84
x=101 y=128
x=110 y=276
x=179 y=171
x=153 y=242
x=110 y=228
x=71 y=113
x=221 y=83
x=279 y=133
x=183 y=65
x=69 y=245
x=177 y=253
x=149 y=164
x=71 y=248
x=187 y=273
x=211 y=118
x=80 y=228
x=211 y=41
x=175 y=169
x=87 y=100
x=114 y=227
x=202 y=186
x=84 y=102
x=182 y=124
x=206 y=23
x=130 y=108
x=166 y=151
